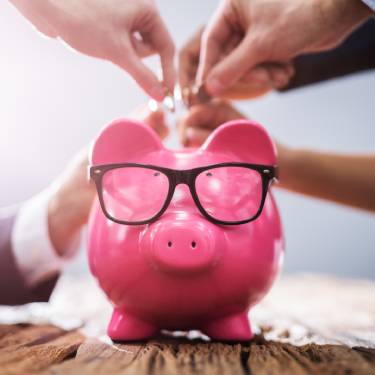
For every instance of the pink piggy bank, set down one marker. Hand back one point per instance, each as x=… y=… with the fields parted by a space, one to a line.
x=184 y=239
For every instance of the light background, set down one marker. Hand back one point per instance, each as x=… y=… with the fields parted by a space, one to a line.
x=53 y=101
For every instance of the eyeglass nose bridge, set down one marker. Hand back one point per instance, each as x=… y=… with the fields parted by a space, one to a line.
x=182 y=177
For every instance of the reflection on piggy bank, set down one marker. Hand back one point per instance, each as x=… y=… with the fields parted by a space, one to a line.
x=184 y=239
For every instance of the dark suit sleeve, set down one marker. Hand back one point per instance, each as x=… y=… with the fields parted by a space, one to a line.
x=13 y=290
x=356 y=54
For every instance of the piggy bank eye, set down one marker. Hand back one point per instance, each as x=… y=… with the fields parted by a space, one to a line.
x=157 y=174
x=209 y=174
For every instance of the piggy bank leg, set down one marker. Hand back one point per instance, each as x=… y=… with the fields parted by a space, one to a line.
x=125 y=327
x=230 y=328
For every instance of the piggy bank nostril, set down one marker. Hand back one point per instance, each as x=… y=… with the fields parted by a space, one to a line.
x=193 y=244
x=169 y=243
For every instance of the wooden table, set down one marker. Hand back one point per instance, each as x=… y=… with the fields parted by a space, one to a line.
x=307 y=325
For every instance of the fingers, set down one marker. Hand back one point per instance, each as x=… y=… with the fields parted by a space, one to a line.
x=126 y=57
x=146 y=39
x=271 y=75
x=198 y=117
x=142 y=48
x=186 y=74
x=280 y=74
x=213 y=41
x=260 y=75
x=195 y=137
x=157 y=121
x=260 y=80
x=153 y=116
x=232 y=67
x=195 y=126
x=162 y=43
x=188 y=60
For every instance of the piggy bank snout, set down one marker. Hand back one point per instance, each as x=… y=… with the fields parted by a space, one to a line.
x=181 y=246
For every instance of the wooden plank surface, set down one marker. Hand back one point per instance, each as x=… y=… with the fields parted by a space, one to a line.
x=26 y=349
x=30 y=349
x=307 y=325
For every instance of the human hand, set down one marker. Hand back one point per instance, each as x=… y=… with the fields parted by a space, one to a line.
x=271 y=31
x=121 y=31
x=154 y=117
x=70 y=205
x=197 y=124
x=256 y=82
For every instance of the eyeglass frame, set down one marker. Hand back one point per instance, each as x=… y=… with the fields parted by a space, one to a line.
x=268 y=173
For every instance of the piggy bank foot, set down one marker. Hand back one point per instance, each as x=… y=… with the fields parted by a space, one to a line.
x=125 y=327
x=230 y=328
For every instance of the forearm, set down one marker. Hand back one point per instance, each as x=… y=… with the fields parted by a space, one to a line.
x=64 y=221
x=346 y=179
x=14 y=289
x=356 y=54
x=349 y=13
x=70 y=204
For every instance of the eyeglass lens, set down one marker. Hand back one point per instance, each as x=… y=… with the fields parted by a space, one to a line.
x=133 y=193
x=230 y=193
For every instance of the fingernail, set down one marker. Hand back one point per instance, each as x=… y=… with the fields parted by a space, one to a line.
x=214 y=86
x=157 y=93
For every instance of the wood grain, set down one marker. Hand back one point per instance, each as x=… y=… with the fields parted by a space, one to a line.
x=307 y=325
x=29 y=349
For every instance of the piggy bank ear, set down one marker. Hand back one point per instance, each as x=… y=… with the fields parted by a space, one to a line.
x=124 y=141
x=243 y=140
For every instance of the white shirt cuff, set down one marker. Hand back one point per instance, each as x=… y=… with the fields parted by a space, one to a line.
x=31 y=244
x=370 y=4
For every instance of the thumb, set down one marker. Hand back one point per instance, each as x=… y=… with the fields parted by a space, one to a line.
x=163 y=44
x=128 y=59
x=230 y=69
x=213 y=39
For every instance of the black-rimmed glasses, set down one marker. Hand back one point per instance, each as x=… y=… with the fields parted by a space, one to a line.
x=226 y=193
